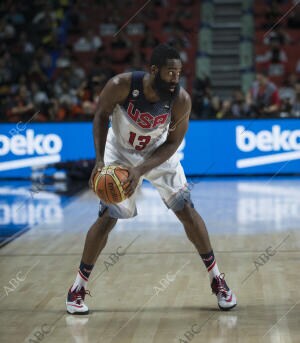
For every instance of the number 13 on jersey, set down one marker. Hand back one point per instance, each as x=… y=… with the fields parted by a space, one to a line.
x=140 y=141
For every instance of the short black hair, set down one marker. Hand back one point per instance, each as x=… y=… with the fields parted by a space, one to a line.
x=162 y=53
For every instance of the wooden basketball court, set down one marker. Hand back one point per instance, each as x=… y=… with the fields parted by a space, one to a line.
x=150 y=285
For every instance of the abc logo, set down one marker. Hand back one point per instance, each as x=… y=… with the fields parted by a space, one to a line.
x=29 y=144
x=265 y=140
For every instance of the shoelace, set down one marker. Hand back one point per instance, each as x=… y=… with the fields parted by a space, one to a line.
x=221 y=285
x=81 y=294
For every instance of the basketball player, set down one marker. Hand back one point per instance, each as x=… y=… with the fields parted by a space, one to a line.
x=150 y=116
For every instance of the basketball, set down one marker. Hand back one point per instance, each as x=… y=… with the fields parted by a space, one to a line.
x=107 y=184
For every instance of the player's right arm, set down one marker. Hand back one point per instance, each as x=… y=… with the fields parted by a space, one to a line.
x=115 y=92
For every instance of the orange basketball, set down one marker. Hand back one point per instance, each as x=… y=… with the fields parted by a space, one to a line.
x=107 y=184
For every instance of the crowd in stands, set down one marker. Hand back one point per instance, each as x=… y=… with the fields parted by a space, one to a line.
x=55 y=57
x=277 y=50
x=278 y=46
x=275 y=91
x=263 y=100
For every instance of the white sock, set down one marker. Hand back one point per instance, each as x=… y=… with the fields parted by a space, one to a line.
x=213 y=271
x=79 y=283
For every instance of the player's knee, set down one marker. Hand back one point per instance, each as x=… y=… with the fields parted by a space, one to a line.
x=178 y=201
x=116 y=212
x=105 y=215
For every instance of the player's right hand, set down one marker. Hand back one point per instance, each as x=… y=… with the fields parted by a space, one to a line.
x=98 y=166
x=130 y=184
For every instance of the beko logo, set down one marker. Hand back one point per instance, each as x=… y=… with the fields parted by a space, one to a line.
x=47 y=147
x=287 y=142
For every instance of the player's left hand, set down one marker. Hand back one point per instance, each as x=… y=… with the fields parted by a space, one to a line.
x=130 y=184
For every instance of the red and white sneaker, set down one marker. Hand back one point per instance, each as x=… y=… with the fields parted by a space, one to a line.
x=226 y=299
x=75 y=302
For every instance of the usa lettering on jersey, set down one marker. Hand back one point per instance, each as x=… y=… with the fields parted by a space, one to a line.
x=144 y=119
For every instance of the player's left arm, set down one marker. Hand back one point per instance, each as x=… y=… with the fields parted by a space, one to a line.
x=178 y=127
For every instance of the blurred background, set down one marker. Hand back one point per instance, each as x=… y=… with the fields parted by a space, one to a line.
x=241 y=67
x=56 y=56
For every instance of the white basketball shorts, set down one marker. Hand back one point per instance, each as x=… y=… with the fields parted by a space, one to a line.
x=168 y=178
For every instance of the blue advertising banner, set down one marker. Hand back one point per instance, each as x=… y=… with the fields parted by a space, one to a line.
x=229 y=147
x=243 y=147
x=25 y=146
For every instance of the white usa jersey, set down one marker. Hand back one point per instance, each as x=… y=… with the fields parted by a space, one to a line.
x=139 y=126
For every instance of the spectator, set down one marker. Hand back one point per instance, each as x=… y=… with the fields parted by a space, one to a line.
x=274 y=60
x=276 y=54
x=36 y=73
x=42 y=15
x=108 y=29
x=7 y=30
x=45 y=26
x=44 y=60
x=89 y=42
x=76 y=70
x=41 y=101
x=90 y=94
x=26 y=45
x=178 y=45
x=68 y=102
x=295 y=110
x=263 y=97
x=277 y=36
x=103 y=69
x=298 y=67
x=287 y=92
x=239 y=108
x=16 y=16
x=22 y=107
x=72 y=78
x=136 y=60
x=6 y=74
x=149 y=41
x=39 y=96
x=64 y=60
x=120 y=49
x=204 y=105
x=224 y=111
x=63 y=88
x=135 y=28
x=177 y=34
x=285 y=108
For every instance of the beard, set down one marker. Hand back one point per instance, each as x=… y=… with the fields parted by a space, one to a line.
x=162 y=88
